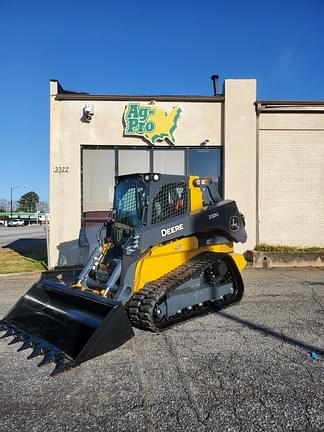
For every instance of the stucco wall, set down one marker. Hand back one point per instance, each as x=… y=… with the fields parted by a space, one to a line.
x=273 y=162
x=240 y=152
x=199 y=122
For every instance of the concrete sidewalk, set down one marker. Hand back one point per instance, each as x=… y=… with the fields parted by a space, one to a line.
x=247 y=368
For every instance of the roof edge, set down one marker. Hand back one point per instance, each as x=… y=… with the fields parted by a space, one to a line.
x=289 y=106
x=291 y=102
x=159 y=98
x=63 y=94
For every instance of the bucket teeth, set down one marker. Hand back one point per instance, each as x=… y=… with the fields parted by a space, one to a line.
x=25 y=346
x=3 y=326
x=9 y=332
x=49 y=357
x=60 y=366
x=39 y=348
x=36 y=352
x=27 y=343
x=18 y=338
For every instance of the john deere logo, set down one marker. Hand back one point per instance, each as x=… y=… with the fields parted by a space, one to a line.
x=234 y=223
x=150 y=122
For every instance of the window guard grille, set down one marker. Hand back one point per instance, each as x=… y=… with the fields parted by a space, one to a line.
x=170 y=201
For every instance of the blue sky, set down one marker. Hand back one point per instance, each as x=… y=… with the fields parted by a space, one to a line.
x=146 y=47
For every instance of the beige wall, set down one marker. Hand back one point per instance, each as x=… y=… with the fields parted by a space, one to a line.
x=199 y=122
x=291 y=203
x=240 y=151
x=273 y=162
x=65 y=192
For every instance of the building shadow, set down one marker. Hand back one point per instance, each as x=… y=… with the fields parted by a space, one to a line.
x=274 y=334
x=69 y=254
x=32 y=248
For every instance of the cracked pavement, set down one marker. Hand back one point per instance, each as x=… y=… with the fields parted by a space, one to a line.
x=246 y=368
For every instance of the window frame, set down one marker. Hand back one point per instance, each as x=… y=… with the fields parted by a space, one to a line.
x=151 y=150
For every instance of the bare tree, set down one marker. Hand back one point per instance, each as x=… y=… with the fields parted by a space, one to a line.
x=3 y=205
x=43 y=206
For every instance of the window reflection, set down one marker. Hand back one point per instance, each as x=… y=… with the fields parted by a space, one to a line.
x=204 y=162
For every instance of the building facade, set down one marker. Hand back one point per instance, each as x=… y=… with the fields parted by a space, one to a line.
x=268 y=156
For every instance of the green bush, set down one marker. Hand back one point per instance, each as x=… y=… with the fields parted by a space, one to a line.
x=263 y=247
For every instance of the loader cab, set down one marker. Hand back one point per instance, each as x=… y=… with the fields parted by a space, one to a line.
x=146 y=199
x=151 y=198
x=169 y=198
x=130 y=202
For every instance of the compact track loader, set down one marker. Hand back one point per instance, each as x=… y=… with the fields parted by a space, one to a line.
x=167 y=256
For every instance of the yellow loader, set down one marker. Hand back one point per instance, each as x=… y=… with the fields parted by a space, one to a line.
x=167 y=256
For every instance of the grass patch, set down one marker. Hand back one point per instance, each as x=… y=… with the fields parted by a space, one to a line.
x=15 y=262
x=262 y=247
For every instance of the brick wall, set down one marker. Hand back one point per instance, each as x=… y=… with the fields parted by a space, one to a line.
x=291 y=179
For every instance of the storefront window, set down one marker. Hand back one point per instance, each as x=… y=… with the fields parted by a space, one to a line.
x=169 y=161
x=133 y=161
x=98 y=179
x=204 y=162
x=101 y=165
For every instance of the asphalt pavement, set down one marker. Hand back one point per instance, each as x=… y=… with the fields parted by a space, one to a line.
x=9 y=235
x=246 y=368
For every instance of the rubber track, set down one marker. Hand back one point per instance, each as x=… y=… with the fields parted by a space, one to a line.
x=141 y=307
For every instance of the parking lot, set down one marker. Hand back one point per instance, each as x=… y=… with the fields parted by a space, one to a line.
x=247 y=368
x=21 y=235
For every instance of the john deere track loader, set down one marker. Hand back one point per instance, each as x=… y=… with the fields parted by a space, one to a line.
x=167 y=256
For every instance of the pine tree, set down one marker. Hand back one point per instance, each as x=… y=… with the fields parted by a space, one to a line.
x=28 y=202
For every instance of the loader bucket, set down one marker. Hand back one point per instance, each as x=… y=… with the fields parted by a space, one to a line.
x=66 y=325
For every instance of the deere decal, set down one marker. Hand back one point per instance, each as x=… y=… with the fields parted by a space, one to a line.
x=150 y=122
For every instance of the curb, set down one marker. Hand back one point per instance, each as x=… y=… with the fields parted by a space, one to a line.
x=31 y=273
x=268 y=260
x=69 y=272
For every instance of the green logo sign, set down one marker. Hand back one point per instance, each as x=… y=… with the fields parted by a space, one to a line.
x=150 y=122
